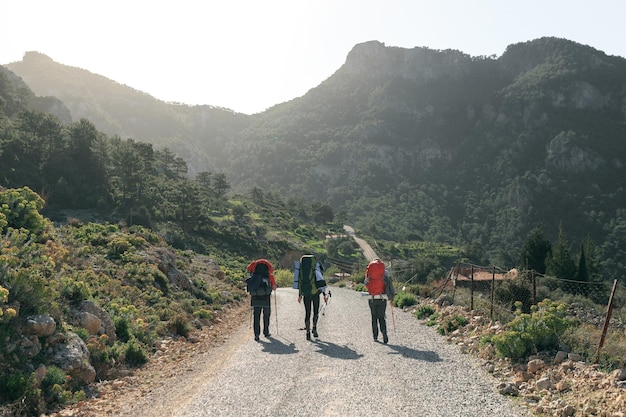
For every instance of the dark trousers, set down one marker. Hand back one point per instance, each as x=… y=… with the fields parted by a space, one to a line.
x=377 y=308
x=311 y=302
x=261 y=304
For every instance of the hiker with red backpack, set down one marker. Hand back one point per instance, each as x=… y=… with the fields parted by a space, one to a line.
x=380 y=289
x=260 y=284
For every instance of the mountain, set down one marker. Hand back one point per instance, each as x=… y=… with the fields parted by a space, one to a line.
x=406 y=143
x=116 y=109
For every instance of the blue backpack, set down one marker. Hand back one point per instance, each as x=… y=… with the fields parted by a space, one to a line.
x=258 y=284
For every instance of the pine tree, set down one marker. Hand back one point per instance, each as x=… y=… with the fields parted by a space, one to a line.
x=536 y=249
x=560 y=263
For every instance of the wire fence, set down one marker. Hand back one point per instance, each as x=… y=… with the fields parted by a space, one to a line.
x=599 y=307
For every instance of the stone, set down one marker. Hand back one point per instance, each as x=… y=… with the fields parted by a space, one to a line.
x=90 y=322
x=40 y=325
x=544 y=384
x=535 y=365
x=73 y=357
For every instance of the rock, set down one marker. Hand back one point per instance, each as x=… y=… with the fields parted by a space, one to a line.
x=30 y=346
x=562 y=386
x=506 y=388
x=535 y=365
x=40 y=374
x=544 y=384
x=523 y=377
x=574 y=357
x=105 y=318
x=566 y=411
x=619 y=375
x=560 y=356
x=90 y=322
x=73 y=357
x=40 y=325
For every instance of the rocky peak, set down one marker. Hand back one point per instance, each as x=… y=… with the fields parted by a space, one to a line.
x=375 y=59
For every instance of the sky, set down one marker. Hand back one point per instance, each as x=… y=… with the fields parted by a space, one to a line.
x=248 y=55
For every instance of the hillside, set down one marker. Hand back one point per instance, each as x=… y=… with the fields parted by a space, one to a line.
x=414 y=143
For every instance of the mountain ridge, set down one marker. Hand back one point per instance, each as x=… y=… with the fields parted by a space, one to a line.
x=464 y=149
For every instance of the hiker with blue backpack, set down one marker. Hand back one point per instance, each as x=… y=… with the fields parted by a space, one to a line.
x=260 y=284
x=380 y=289
x=309 y=280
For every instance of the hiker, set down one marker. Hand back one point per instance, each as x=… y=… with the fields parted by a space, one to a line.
x=310 y=284
x=260 y=285
x=379 y=286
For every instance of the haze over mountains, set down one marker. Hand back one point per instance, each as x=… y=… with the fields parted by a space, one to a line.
x=406 y=143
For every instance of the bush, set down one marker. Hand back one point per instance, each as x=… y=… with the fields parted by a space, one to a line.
x=450 y=324
x=135 y=354
x=530 y=333
x=360 y=288
x=122 y=328
x=284 y=278
x=180 y=325
x=14 y=385
x=404 y=299
x=424 y=311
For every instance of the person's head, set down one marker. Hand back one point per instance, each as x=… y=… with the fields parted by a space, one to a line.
x=262 y=269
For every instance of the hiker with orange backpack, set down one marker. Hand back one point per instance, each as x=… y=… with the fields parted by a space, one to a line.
x=380 y=289
x=260 y=285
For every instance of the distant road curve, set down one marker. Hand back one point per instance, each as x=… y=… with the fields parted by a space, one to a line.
x=367 y=250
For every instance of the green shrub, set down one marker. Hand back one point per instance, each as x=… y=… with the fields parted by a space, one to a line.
x=122 y=328
x=74 y=291
x=404 y=299
x=530 y=333
x=424 y=311
x=82 y=333
x=14 y=385
x=360 y=288
x=203 y=314
x=180 y=325
x=20 y=210
x=432 y=320
x=135 y=354
x=450 y=324
x=284 y=278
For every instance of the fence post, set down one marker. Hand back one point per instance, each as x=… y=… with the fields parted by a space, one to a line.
x=609 y=310
x=534 y=283
x=493 y=288
x=472 y=289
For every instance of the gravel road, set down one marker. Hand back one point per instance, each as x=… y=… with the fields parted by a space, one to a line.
x=344 y=372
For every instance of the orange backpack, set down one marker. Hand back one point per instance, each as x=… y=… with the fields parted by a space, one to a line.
x=375 y=273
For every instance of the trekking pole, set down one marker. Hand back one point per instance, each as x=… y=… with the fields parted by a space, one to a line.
x=393 y=317
x=251 y=308
x=276 y=311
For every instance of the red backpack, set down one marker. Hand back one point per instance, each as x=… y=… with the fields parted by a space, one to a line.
x=374 y=274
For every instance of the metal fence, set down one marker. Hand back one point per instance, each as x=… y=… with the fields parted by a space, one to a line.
x=498 y=293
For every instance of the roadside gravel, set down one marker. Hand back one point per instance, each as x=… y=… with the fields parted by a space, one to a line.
x=341 y=373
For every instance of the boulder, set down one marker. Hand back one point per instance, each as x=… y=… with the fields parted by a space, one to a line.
x=107 y=323
x=72 y=356
x=40 y=325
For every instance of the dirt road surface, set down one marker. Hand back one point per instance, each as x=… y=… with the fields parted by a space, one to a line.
x=344 y=372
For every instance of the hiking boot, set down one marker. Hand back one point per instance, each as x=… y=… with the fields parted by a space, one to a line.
x=315 y=332
x=385 y=338
x=308 y=335
x=256 y=338
x=267 y=335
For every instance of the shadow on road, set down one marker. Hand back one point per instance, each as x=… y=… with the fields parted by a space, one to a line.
x=336 y=351
x=411 y=353
x=277 y=347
